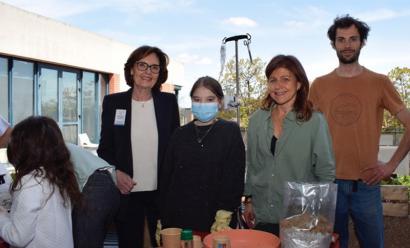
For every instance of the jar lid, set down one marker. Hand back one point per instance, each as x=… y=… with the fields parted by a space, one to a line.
x=186 y=234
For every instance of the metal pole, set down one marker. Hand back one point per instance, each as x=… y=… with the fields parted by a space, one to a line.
x=238 y=113
x=236 y=38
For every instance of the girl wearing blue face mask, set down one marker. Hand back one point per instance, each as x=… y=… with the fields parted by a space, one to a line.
x=203 y=174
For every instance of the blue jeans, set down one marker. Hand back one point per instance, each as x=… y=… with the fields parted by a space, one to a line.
x=363 y=203
x=101 y=200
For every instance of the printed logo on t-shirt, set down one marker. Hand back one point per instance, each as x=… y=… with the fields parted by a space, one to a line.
x=345 y=109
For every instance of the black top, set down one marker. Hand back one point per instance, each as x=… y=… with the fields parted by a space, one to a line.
x=115 y=141
x=203 y=171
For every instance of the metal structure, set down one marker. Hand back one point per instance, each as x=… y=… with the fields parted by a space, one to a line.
x=247 y=40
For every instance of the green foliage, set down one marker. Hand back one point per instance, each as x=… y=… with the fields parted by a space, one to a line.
x=400 y=76
x=251 y=87
x=398 y=180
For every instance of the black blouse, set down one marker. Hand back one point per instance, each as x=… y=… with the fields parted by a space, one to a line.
x=203 y=172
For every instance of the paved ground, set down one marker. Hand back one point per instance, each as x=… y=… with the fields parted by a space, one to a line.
x=396 y=233
x=111 y=240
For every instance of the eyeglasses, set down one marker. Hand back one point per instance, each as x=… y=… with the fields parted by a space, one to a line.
x=142 y=66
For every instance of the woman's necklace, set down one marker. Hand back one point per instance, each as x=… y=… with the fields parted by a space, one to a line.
x=141 y=99
x=200 y=138
x=142 y=103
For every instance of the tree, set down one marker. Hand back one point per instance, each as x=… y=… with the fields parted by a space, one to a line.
x=400 y=76
x=251 y=87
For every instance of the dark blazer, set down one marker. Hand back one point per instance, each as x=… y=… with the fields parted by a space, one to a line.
x=115 y=140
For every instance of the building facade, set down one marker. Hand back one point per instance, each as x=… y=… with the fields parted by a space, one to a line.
x=53 y=69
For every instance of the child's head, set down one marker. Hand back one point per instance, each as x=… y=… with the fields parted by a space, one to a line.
x=36 y=142
x=207 y=99
x=37 y=145
x=210 y=84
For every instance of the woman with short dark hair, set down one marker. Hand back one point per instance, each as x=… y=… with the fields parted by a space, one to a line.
x=136 y=127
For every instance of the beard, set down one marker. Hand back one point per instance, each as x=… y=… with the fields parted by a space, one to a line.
x=348 y=60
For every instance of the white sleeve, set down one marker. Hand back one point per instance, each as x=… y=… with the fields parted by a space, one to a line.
x=4 y=125
x=17 y=228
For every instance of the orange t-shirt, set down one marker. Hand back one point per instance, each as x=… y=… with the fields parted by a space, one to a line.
x=354 y=110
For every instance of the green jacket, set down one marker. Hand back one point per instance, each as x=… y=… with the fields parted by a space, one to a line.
x=85 y=163
x=303 y=153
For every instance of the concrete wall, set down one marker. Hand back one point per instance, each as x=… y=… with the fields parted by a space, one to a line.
x=31 y=36
x=388 y=145
x=385 y=153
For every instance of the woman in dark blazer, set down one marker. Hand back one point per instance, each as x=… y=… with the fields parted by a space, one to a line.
x=136 y=127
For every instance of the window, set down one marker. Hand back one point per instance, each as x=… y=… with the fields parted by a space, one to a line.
x=22 y=90
x=69 y=101
x=4 y=88
x=90 y=107
x=49 y=92
x=54 y=91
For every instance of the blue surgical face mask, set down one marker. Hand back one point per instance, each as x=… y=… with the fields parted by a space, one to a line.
x=205 y=112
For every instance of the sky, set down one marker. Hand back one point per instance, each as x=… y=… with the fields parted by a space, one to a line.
x=191 y=31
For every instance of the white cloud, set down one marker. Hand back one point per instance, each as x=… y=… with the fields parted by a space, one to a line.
x=296 y=24
x=308 y=18
x=193 y=59
x=192 y=43
x=382 y=14
x=132 y=39
x=241 y=22
x=64 y=8
x=145 y=6
x=56 y=8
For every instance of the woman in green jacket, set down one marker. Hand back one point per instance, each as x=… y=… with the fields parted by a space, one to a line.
x=287 y=141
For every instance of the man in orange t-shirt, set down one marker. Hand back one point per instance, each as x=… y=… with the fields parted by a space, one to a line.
x=353 y=99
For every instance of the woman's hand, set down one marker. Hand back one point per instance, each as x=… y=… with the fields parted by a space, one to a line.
x=249 y=215
x=124 y=182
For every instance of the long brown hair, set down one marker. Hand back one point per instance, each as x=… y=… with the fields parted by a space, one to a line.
x=302 y=106
x=37 y=146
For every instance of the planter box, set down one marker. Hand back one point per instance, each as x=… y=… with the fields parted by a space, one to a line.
x=395 y=200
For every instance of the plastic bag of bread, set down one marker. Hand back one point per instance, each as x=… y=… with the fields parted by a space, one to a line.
x=309 y=210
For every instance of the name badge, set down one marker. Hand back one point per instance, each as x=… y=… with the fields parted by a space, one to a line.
x=120 y=117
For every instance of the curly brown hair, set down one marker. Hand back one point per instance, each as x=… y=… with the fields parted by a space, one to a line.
x=37 y=146
x=346 y=22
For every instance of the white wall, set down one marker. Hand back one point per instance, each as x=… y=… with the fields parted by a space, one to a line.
x=385 y=153
x=31 y=36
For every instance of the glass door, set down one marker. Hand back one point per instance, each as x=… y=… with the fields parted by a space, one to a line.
x=59 y=99
x=48 y=92
x=4 y=88
x=69 y=107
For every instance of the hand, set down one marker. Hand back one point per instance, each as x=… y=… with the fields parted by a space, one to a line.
x=249 y=215
x=124 y=182
x=372 y=175
x=158 y=233
x=222 y=220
